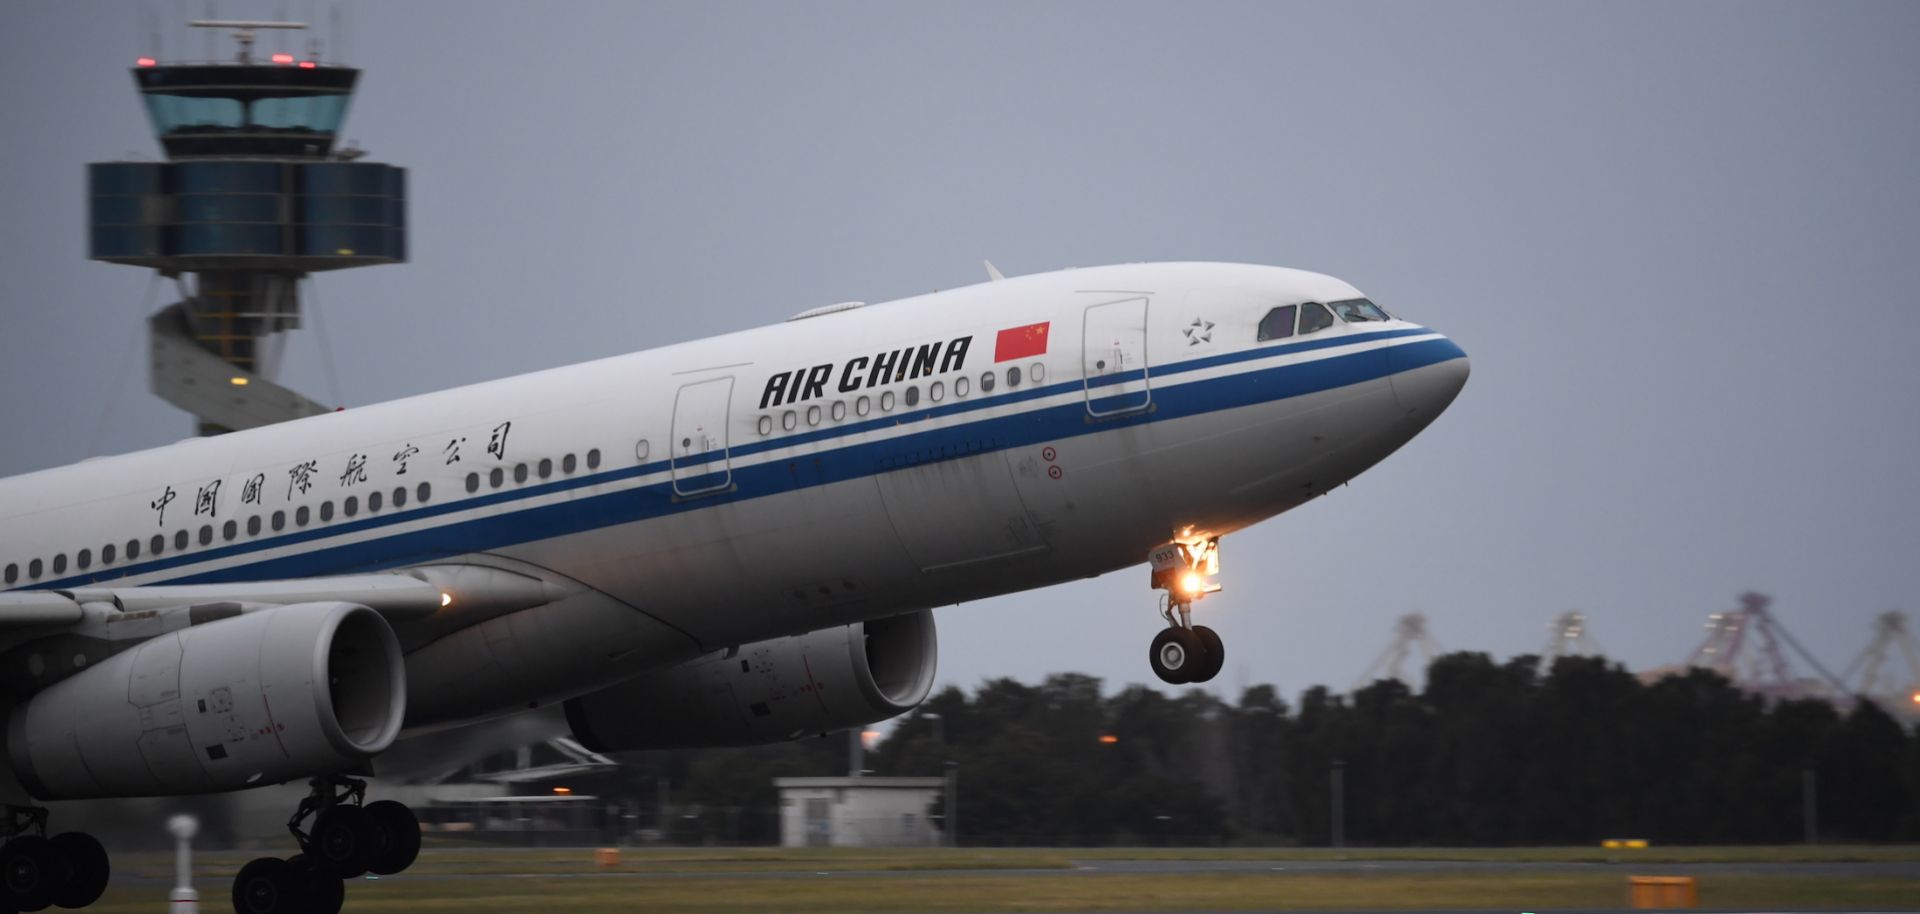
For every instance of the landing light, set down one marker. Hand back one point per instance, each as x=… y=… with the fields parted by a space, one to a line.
x=563 y=791
x=1916 y=697
x=446 y=599
x=1192 y=582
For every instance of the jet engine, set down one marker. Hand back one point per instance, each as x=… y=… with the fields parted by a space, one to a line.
x=254 y=698
x=768 y=691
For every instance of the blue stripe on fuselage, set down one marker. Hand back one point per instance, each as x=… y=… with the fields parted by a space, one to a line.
x=658 y=499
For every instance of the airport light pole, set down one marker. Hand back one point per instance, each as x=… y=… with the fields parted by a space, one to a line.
x=950 y=816
x=1337 y=788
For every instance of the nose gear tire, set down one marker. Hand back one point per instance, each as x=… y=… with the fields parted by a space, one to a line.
x=1176 y=655
x=1213 y=653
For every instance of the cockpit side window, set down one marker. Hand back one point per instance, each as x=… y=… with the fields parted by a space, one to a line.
x=1357 y=310
x=1278 y=324
x=1314 y=317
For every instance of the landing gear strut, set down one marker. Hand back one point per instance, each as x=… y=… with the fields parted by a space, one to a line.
x=348 y=837
x=69 y=870
x=1184 y=652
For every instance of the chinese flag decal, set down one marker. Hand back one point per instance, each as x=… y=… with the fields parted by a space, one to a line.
x=1021 y=342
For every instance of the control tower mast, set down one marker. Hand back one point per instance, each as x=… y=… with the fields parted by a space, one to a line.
x=253 y=198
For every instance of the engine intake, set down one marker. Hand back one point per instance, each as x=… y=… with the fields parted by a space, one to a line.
x=768 y=691
x=259 y=698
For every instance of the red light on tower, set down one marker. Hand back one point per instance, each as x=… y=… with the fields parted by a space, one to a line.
x=307 y=65
x=283 y=57
x=146 y=62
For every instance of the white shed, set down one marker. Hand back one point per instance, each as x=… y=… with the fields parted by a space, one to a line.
x=858 y=812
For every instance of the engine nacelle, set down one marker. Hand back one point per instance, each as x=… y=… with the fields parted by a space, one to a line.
x=768 y=691
x=259 y=698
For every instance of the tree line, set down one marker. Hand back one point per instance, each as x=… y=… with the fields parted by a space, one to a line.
x=1487 y=753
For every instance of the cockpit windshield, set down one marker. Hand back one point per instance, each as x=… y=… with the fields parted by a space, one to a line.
x=1358 y=310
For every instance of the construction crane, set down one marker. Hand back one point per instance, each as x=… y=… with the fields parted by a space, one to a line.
x=1568 y=637
x=1409 y=635
x=1744 y=645
x=1870 y=676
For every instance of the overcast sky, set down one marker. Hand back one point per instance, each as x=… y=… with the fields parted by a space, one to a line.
x=1680 y=242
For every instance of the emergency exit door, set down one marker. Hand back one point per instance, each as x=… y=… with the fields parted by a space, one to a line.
x=699 y=457
x=1114 y=352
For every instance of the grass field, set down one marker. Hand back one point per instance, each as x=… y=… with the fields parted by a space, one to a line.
x=707 y=881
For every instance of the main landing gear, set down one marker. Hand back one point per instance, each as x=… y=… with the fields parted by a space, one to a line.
x=1184 y=652
x=68 y=870
x=348 y=838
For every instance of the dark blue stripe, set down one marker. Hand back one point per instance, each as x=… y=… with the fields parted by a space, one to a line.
x=1049 y=424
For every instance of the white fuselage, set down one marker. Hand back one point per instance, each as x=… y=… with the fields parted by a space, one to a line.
x=781 y=480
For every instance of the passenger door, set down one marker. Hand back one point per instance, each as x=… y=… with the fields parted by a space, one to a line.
x=699 y=445
x=1114 y=358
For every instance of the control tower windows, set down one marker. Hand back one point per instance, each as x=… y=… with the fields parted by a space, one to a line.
x=1278 y=324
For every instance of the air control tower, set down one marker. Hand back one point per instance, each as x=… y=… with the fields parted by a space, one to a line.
x=254 y=197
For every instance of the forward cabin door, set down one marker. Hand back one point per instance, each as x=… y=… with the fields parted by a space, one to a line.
x=1114 y=356
x=699 y=444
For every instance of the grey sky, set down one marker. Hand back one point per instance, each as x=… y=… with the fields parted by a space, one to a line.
x=1678 y=240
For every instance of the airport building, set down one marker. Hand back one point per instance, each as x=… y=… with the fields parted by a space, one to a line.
x=859 y=812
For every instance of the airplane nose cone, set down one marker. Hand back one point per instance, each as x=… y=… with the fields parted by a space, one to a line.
x=1428 y=375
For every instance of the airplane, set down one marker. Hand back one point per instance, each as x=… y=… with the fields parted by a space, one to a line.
x=730 y=541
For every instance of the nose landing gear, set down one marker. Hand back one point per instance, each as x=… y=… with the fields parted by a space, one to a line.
x=348 y=838
x=1184 y=652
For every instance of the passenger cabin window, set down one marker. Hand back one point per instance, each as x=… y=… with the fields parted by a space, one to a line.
x=1358 y=310
x=1314 y=317
x=1278 y=324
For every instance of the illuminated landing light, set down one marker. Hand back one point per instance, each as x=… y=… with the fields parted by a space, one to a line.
x=1192 y=582
x=146 y=62
x=563 y=791
x=1915 y=697
x=238 y=381
x=446 y=599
